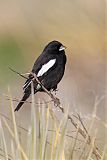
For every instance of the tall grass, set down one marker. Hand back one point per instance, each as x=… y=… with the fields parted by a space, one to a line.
x=42 y=142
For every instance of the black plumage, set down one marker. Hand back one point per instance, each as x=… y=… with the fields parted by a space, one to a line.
x=49 y=68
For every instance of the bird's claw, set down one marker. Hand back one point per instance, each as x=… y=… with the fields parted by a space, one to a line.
x=56 y=91
x=56 y=102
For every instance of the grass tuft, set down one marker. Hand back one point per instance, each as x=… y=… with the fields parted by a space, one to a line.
x=47 y=137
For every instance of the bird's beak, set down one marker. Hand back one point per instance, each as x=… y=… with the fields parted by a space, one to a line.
x=62 y=48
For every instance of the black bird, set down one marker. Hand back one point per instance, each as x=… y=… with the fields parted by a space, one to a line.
x=49 y=68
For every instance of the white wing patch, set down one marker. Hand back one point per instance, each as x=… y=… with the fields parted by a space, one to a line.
x=46 y=67
x=43 y=70
x=26 y=85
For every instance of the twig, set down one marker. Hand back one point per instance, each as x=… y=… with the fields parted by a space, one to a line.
x=79 y=118
x=18 y=73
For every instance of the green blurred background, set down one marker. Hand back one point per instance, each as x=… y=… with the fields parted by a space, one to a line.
x=27 y=26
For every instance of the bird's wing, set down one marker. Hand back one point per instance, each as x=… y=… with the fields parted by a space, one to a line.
x=40 y=67
x=27 y=83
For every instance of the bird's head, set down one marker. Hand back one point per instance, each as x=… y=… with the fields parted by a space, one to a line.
x=55 y=47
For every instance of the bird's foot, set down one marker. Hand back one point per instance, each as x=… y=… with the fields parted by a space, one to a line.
x=55 y=99
x=56 y=102
x=56 y=91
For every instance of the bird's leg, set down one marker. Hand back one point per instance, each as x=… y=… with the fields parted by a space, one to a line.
x=55 y=99
x=56 y=91
x=56 y=102
x=53 y=90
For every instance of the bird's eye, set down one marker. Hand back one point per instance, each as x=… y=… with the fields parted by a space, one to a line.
x=62 y=48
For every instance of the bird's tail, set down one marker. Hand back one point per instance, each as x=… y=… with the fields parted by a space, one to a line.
x=26 y=95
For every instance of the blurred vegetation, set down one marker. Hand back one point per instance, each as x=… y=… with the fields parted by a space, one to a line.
x=10 y=56
x=47 y=137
